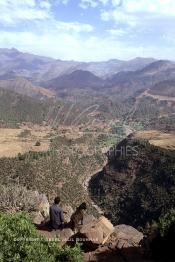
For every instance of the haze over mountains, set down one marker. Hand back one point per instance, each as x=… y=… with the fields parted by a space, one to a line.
x=43 y=68
x=27 y=73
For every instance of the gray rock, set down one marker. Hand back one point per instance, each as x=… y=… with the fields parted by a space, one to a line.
x=125 y=236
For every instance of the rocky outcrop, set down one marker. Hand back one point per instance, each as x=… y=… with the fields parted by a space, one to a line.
x=103 y=254
x=122 y=245
x=106 y=254
x=43 y=205
x=125 y=236
x=42 y=209
x=68 y=211
x=95 y=233
x=101 y=241
x=37 y=217
x=88 y=219
x=64 y=236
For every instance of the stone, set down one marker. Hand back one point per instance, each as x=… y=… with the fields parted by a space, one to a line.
x=43 y=206
x=125 y=236
x=88 y=218
x=103 y=254
x=67 y=211
x=37 y=218
x=64 y=235
x=96 y=232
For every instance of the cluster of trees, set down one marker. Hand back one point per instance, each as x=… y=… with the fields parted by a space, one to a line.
x=159 y=238
x=61 y=170
x=19 y=241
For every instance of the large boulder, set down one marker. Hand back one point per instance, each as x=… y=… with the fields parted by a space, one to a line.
x=64 y=236
x=37 y=218
x=125 y=236
x=88 y=219
x=42 y=209
x=122 y=245
x=68 y=211
x=43 y=206
x=96 y=232
x=103 y=254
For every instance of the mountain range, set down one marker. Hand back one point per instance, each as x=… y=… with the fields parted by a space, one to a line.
x=31 y=74
x=144 y=85
x=42 y=68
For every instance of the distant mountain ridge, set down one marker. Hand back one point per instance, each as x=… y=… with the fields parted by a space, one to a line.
x=34 y=75
x=77 y=79
x=128 y=83
x=40 y=68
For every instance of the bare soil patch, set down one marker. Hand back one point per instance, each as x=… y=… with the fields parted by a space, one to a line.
x=15 y=141
x=158 y=138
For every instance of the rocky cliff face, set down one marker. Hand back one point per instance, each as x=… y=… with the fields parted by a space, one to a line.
x=100 y=240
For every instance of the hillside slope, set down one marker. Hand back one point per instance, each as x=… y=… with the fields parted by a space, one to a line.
x=126 y=84
x=138 y=180
x=164 y=88
x=25 y=87
x=78 y=79
x=16 y=108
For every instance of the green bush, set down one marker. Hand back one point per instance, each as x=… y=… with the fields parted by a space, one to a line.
x=19 y=241
x=163 y=225
x=21 y=157
x=159 y=243
x=166 y=222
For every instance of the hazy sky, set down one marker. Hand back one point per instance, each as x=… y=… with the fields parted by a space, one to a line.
x=89 y=29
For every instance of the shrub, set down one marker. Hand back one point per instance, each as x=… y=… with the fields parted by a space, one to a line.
x=160 y=239
x=25 y=133
x=21 y=157
x=38 y=143
x=166 y=222
x=19 y=241
x=16 y=198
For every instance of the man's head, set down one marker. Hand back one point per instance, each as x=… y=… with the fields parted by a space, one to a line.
x=57 y=200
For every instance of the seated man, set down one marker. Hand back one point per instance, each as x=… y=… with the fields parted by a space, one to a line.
x=77 y=217
x=56 y=215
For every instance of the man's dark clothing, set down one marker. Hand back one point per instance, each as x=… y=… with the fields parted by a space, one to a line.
x=56 y=216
